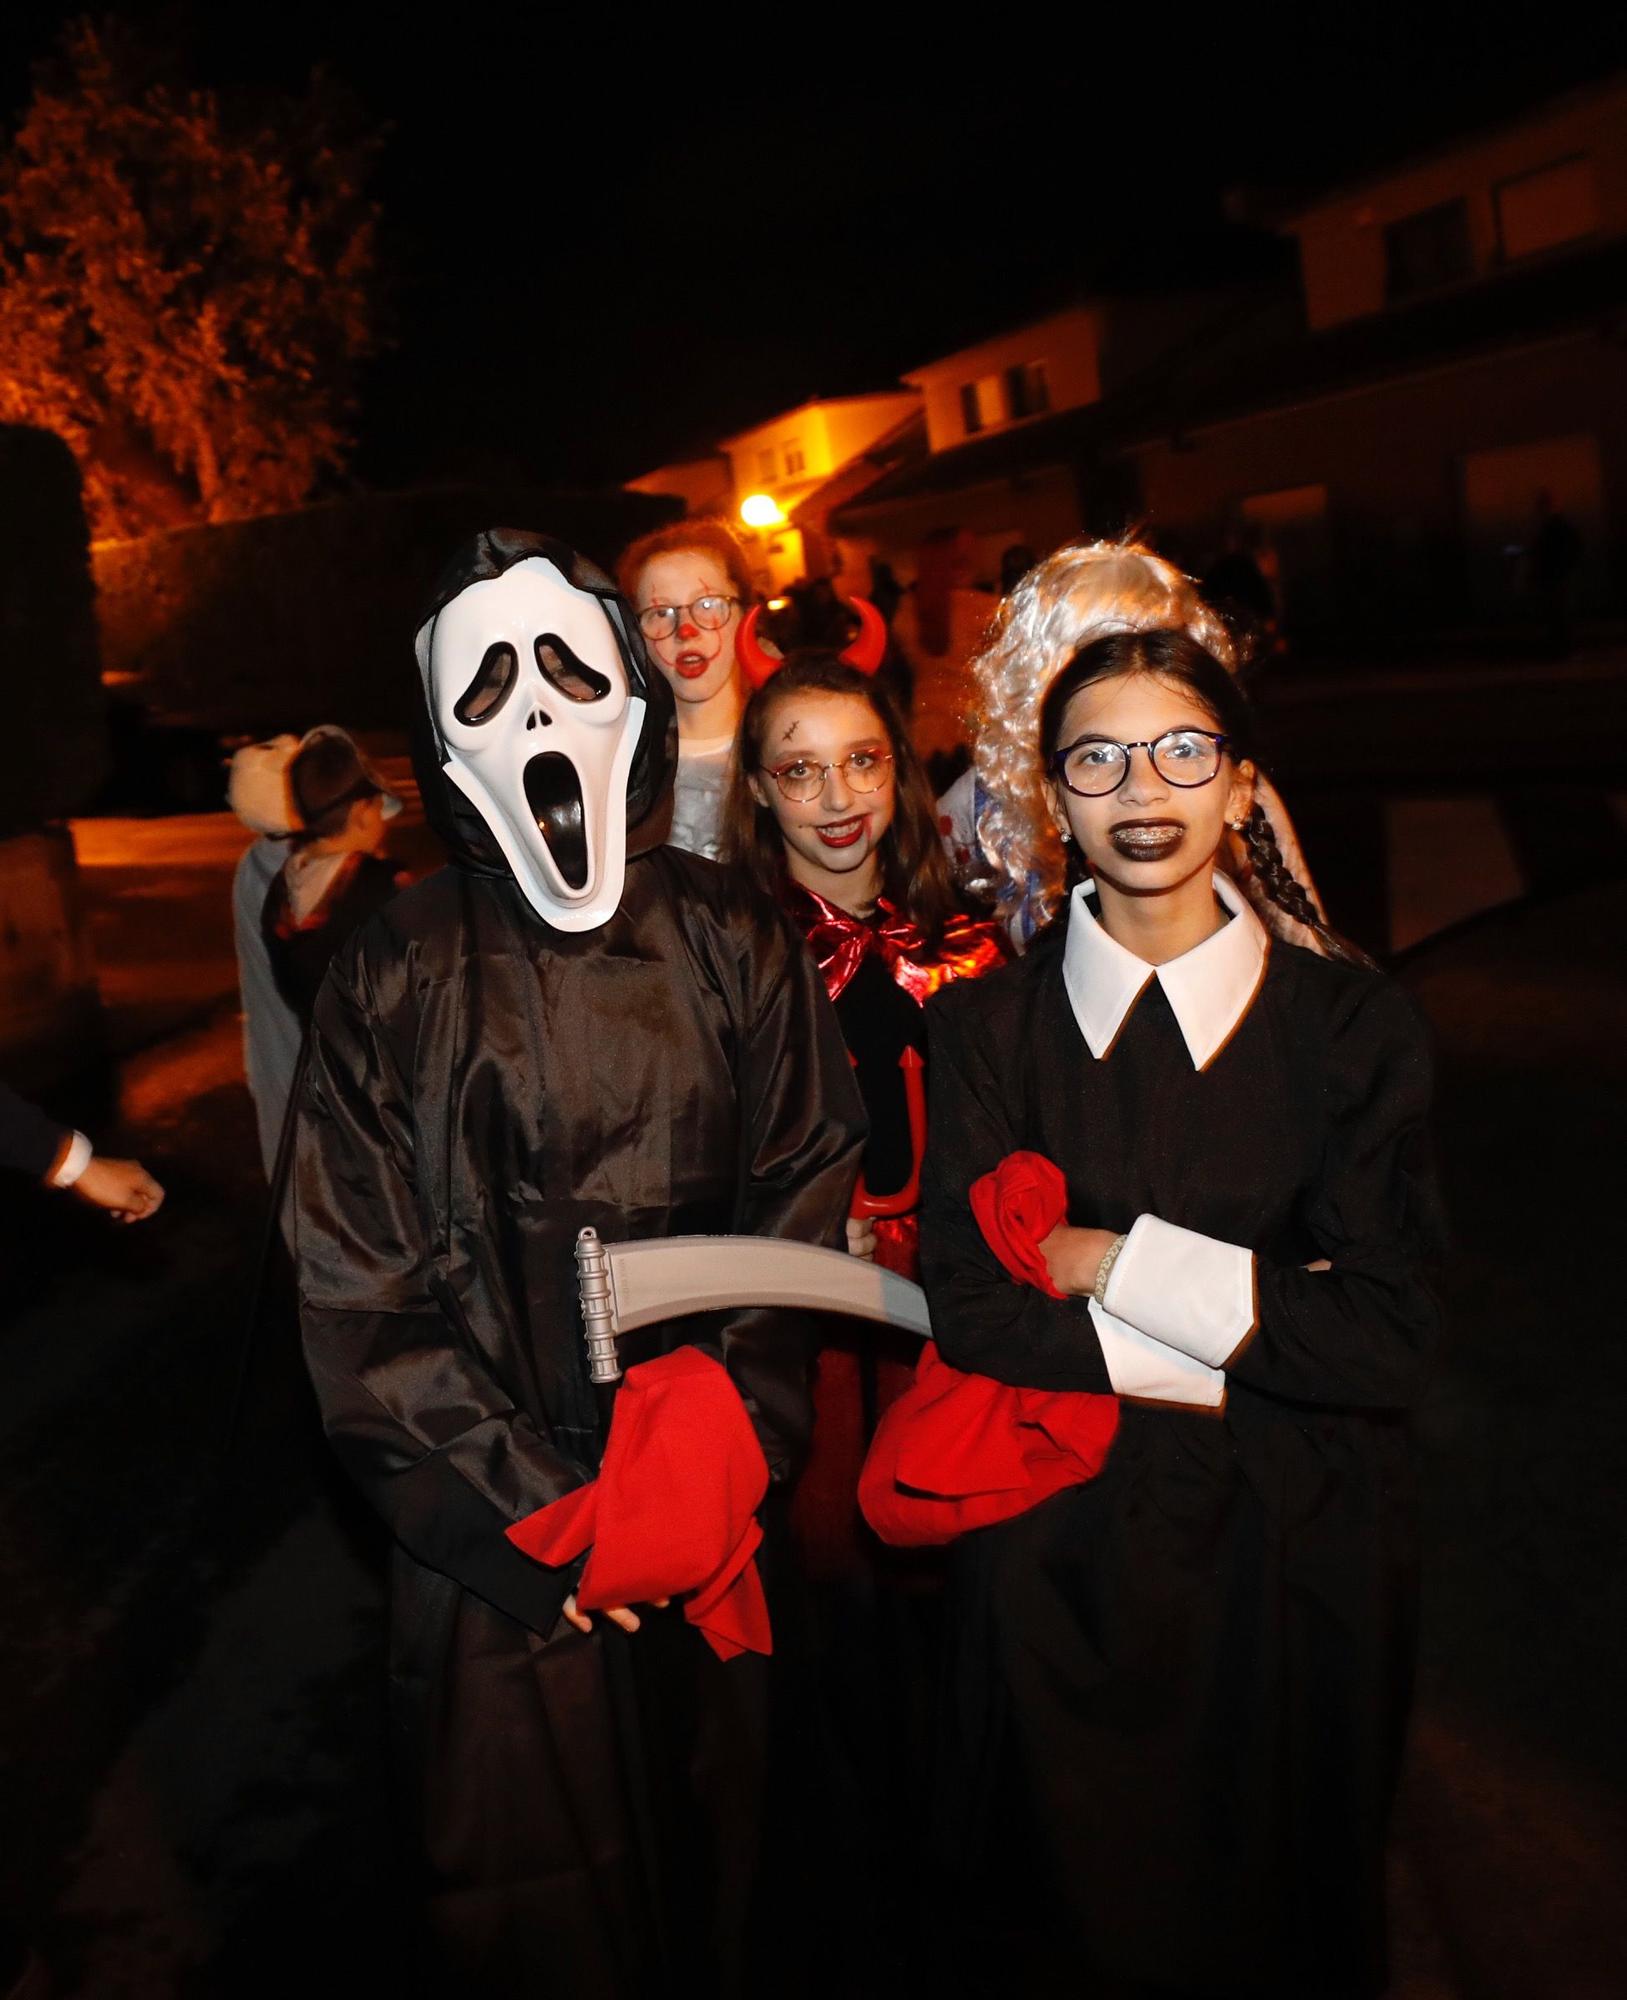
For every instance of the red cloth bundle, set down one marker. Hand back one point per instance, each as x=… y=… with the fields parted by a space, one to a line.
x=1017 y=1206
x=673 y=1511
x=962 y=1451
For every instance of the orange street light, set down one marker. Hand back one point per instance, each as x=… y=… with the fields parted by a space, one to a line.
x=761 y=510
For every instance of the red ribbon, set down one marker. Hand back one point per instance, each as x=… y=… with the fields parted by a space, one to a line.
x=673 y=1512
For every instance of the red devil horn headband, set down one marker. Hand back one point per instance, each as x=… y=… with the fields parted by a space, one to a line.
x=865 y=654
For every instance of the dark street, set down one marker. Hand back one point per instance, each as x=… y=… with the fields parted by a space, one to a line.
x=909 y=569
x=192 y=1674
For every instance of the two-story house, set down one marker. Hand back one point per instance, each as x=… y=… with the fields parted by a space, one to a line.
x=1461 y=374
x=1016 y=426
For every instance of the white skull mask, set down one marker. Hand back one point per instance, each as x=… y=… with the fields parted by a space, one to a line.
x=530 y=694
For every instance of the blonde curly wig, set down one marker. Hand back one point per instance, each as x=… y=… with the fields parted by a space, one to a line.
x=1081 y=593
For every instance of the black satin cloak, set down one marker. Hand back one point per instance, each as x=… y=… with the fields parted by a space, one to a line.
x=480 y=1087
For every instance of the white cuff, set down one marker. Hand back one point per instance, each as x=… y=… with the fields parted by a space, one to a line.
x=74 y=1161
x=1140 y=1366
x=1189 y=1291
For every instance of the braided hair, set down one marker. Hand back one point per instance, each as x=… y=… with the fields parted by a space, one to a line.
x=1174 y=655
x=1286 y=890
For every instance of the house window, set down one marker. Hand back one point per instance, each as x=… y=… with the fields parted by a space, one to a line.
x=1424 y=252
x=766 y=463
x=794 y=460
x=982 y=404
x=1556 y=204
x=1028 y=394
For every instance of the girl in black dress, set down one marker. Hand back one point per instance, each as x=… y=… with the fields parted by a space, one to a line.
x=1178 y=1691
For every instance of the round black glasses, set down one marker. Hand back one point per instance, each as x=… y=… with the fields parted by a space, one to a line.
x=1097 y=765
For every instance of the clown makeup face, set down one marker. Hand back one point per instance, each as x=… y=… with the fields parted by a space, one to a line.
x=697 y=659
x=832 y=840
x=1157 y=831
x=532 y=699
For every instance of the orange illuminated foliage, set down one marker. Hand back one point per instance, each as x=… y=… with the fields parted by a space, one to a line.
x=187 y=286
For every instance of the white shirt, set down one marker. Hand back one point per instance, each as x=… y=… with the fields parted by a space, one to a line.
x=697 y=794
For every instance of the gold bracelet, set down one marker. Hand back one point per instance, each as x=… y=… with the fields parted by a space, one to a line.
x=1110 y=1256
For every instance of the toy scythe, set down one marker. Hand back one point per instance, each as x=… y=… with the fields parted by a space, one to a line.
x=627 y=1285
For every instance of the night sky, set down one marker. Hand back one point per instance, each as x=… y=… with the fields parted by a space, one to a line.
x=610 y=244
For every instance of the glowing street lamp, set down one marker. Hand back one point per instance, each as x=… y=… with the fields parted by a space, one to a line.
x=761 y=510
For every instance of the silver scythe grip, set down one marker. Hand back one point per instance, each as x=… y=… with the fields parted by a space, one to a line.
x=629 y=1285
x=598 y=1316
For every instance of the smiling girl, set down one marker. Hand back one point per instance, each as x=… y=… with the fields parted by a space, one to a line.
x=689 y=584
x=830 y=812
x=1185 y=1681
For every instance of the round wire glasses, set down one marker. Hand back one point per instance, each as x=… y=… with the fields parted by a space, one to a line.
x=711 y=614
x=1097 y=765
x=802 y=778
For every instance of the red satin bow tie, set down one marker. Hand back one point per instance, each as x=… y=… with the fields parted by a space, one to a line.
x=839 y=942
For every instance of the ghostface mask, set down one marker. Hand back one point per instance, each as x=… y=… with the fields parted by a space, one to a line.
x=539 y=719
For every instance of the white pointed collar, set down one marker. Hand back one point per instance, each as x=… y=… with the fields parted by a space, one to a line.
x=1209 y=988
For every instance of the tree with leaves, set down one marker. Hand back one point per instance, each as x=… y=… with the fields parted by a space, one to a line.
x=188 y=286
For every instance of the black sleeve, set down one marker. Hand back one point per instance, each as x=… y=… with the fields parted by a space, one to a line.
x=433 y=1440
x=299 y=962
x=1356 y=1335
x=984 y=1321
x=803 y=1137
x=29 y=1140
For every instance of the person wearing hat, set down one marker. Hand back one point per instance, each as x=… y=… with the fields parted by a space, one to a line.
x=336 y=874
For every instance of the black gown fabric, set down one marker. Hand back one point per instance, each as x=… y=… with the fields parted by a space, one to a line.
x=299 y=954
x=481 y=1086
x=1186 y=1681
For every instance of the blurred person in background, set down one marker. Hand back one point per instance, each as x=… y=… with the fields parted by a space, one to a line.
x=1236 y=584
x=257 y=791
x=1552 y=560
x=336 y=874
x=34 y=1144
x=1015 y=563
x=690 y=584
x=941 y=623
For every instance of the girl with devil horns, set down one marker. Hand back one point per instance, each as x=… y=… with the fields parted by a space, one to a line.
x=829 y=811
x=1179 y=1686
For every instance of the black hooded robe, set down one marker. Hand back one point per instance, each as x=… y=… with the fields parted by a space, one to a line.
x=480 y=1087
